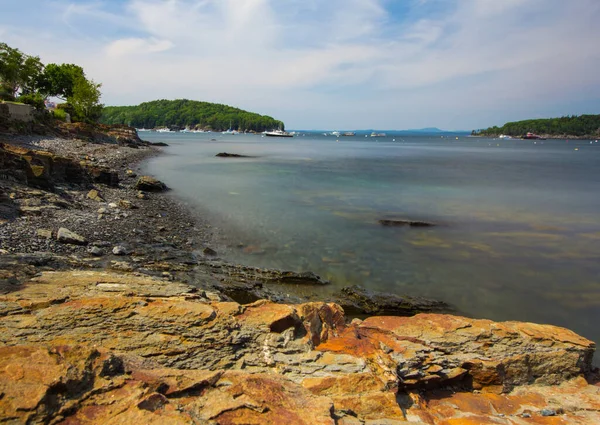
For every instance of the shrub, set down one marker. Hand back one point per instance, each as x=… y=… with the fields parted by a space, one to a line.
x=35 y=100
x=60 y=114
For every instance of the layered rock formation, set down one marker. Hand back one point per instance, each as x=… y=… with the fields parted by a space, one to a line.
x=97 y=347
x=44 y=170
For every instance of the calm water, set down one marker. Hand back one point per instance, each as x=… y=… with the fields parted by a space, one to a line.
x=520 y=222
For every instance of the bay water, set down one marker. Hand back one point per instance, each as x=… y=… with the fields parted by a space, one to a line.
x=518 y=234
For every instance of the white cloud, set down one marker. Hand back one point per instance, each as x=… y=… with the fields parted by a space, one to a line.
x=136 y=46
x=357 y=56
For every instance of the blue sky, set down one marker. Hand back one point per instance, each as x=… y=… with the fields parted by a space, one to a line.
x=330 y=64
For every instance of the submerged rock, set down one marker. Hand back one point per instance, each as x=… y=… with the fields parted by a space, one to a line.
x=401 y=222
x=356 y=300
x=231 y=155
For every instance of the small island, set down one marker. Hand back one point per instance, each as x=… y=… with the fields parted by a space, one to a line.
x=569 y=127
x=188 y=114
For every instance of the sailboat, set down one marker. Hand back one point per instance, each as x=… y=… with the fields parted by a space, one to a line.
x=230 y=131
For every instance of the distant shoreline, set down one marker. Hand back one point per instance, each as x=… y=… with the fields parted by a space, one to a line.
x=542 y=136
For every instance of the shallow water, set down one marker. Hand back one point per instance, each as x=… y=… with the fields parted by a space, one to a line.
x=519 y=233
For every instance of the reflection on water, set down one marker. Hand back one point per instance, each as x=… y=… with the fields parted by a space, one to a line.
x=518 y=235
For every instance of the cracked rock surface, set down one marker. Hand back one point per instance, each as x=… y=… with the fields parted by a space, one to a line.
x=83 y=347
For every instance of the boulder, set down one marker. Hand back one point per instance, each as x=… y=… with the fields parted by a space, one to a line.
x=96 y=251
x=150 y=184
x=121 y=250
x=64 y=235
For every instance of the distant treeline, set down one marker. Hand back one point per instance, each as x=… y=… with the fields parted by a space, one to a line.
x=184 y=113
x=580 y=126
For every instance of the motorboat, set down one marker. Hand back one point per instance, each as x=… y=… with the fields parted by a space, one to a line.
x=277 y=133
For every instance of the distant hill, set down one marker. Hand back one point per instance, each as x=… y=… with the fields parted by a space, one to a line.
x=583 y=126
x=427 y=130
x=188 y=113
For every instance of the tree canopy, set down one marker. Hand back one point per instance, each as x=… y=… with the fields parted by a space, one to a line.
x=26 y=79
x=60 y=80
x=18 y=72
x=579 y=126
x=188 y=113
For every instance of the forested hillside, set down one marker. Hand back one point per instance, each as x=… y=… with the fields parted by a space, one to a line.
x=580 y=126
x=188 y=113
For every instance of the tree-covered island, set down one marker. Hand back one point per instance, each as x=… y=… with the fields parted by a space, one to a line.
x=569 y=127
x=183 y=113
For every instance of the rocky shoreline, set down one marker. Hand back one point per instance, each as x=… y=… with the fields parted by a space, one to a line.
x=115 y=307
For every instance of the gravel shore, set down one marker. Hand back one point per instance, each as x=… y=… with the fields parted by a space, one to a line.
x=83 y=224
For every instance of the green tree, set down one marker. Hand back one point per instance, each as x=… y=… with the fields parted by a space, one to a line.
x=18 y=72
x=59 y=80
x=85 y=100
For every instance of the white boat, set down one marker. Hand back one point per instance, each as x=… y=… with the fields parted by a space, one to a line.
x=278 y=133
x=504 y=136
x=163 y=130
x=142 y=129
x=335 y=133
x=374 y=134
x=230 y=131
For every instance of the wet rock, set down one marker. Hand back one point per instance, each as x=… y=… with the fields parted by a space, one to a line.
x=94 y=195
x=356 y=300
x=158 y=144
x=402 y=222
x=64 y=235
x=150 y=184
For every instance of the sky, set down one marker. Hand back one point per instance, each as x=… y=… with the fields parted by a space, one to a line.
x=330 y=64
